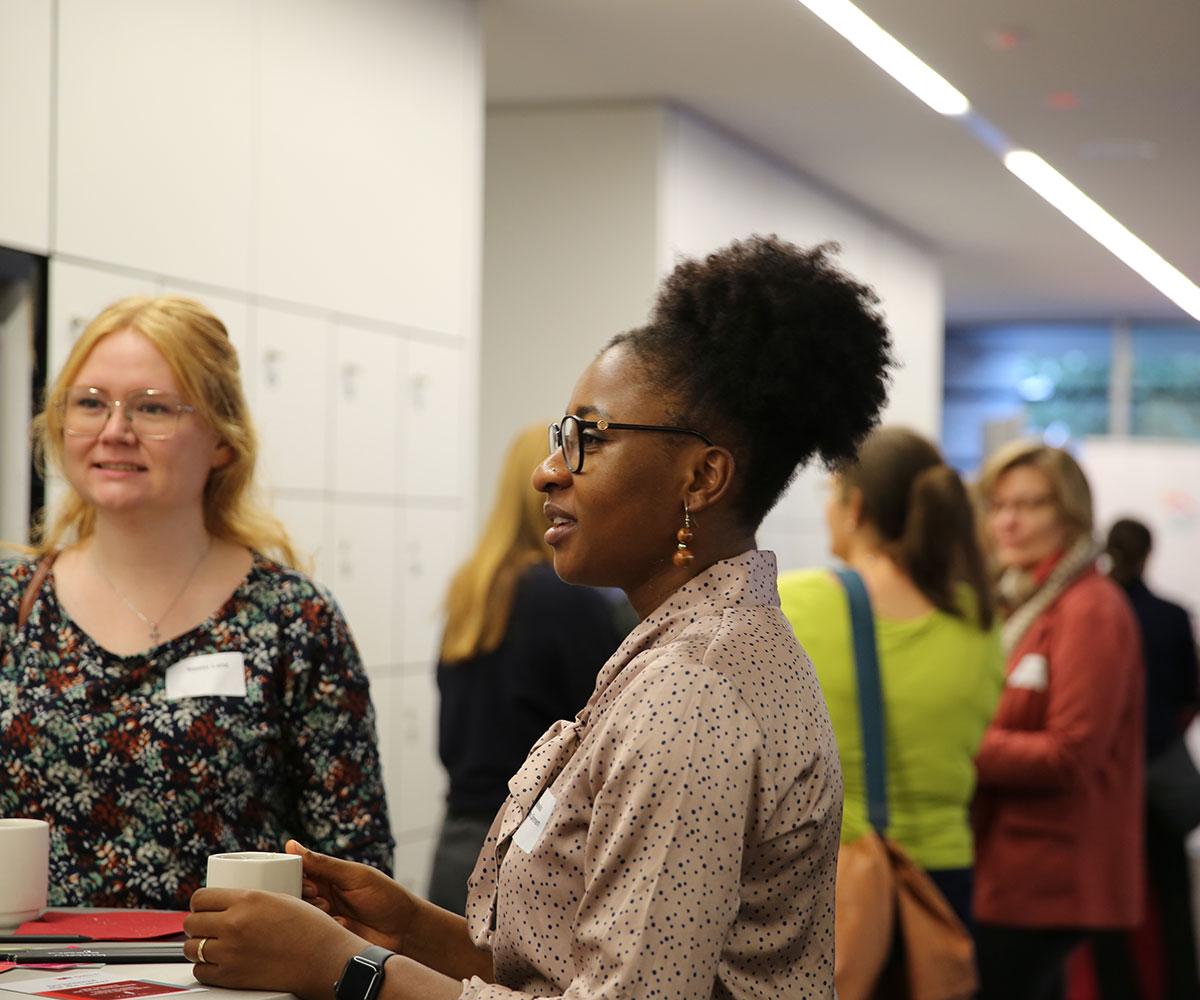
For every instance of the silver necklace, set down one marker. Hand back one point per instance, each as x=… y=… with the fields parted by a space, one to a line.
x=155 y=635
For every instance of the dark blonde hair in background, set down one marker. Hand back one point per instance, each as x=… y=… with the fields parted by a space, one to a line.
x=196 y=347
x=1068 y=484
x=924 y=517
x=480 y=599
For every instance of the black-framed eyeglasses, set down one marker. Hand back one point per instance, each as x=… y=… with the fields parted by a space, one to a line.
x=152 y=413
x=569 y=436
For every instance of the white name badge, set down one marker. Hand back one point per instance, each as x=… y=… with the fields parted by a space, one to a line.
x=530 y=832
x=1031 y=673
x=206 y=675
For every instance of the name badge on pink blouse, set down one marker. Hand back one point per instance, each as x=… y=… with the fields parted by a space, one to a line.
x=530 y=832
x=207 y=675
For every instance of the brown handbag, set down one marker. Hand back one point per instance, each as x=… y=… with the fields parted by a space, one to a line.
x=896 y=937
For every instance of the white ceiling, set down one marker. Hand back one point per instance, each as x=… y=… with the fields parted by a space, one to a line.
x=771 y=72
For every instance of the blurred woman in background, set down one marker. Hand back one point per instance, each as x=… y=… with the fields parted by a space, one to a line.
x=902 y=519
x=1060 y=803
x=521 y=650
x=1169 y=647
x=169 y=687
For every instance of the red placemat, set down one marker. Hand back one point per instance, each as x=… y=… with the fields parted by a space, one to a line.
x=115 y=925
x=5 y=966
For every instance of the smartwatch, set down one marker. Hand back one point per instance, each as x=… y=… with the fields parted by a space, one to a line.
x=363 y=975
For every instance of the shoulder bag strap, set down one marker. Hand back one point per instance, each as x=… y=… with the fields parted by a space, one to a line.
x=41 y=571
x=870 y=696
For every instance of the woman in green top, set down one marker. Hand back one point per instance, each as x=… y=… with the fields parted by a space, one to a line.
x=901 y=517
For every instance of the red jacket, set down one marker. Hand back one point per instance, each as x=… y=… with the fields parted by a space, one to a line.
x=1058 y=819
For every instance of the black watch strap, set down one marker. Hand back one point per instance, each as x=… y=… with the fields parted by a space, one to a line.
x=362 y=977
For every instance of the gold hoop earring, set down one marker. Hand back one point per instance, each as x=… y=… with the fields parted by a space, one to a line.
x=683 y=537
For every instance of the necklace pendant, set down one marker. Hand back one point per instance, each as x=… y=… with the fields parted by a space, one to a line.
x=155 y=635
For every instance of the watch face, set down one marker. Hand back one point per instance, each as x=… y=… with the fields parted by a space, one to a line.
x=357 y=980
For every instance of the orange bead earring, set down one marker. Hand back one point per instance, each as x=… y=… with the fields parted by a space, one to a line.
x=683 y=537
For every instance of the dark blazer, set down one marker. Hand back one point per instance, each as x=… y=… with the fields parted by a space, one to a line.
x=1059 y=812
x=1169 y=648
x=494 y=707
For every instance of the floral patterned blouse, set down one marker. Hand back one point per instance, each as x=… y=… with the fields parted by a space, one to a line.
x=140 y=788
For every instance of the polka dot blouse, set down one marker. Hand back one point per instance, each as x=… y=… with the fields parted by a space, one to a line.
x=678 y=839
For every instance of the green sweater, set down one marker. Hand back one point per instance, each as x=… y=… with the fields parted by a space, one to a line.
x=941 y=680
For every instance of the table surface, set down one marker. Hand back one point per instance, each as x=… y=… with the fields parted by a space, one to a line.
x=178 y=973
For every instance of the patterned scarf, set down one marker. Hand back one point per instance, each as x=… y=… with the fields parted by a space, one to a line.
x=1079 y=558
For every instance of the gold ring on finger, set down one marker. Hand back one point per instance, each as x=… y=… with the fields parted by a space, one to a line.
x=200 y=951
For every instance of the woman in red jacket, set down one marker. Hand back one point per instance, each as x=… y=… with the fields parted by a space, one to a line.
x=1059 y=812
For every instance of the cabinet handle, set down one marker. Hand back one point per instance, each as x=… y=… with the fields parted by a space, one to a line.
x=272 y=362
x=420 y=386
x=350 y=373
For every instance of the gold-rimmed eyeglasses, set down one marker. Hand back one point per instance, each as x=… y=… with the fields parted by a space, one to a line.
x=152 y=413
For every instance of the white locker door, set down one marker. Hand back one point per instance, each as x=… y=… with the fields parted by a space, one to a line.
x=363 y=570
x=307 y=520
x=433 y=427
x=235 y=314
x=419 y=805
x=77 y=295
x=430 y=551
x=367 y=377
x=291 y=392
x=155 y=130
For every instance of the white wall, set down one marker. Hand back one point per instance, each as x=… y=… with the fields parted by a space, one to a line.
x=311 y=169
x=25 y=123
x=715 y=188
x=587 y=207
x=569 y=245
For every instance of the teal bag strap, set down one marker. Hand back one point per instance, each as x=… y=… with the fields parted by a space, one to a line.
x=870 y=696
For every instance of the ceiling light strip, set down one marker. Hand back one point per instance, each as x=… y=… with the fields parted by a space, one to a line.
x=1104 y=229
x=887 y=53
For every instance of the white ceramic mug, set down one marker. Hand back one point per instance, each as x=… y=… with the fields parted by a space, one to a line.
x=24 y=870
x=256 y=870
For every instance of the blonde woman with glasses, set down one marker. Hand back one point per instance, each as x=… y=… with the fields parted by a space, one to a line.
x=169 y=687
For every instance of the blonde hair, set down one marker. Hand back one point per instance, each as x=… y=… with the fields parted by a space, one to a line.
x=480 y=599
x=1068 y=484
x=196 y=347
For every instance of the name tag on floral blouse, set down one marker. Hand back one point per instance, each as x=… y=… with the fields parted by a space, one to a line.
x=530 y=832
x=206 y=675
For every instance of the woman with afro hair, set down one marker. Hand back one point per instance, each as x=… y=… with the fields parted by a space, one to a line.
x=678 y=838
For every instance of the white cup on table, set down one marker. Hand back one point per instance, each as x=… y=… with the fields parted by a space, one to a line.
x=256 y=870
x=24 y=870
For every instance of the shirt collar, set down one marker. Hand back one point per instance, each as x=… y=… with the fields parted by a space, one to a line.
x=748 y=580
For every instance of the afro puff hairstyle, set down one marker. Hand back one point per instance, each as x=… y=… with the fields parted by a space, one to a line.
x=772 y=351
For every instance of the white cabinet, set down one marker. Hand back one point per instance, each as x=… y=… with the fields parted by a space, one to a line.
x=431 y=548
x=233 y=312
x=366 y=379
x=363 y=575
x=77 y=295
x=155 y=135
x=308 y=523
x=368 y=192
x=419 y=803
x=414 y=861
x=434 y=428
x=26 y=38
x=291 y=397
